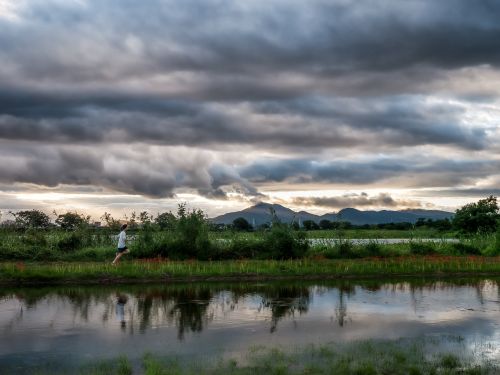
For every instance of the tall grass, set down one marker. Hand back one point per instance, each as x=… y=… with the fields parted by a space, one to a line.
x=369 y=357
x=189 y=238
x=246 y=269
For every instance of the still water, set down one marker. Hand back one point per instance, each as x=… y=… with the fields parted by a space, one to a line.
x=70 y=325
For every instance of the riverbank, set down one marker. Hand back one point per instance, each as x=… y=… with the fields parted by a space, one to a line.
x=403 y=356
x=156 y=270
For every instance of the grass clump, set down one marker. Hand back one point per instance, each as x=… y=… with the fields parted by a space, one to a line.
x=118 y=366
x=422 y=248
x=417 y=356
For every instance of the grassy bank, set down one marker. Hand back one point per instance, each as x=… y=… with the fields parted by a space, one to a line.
x=404 y=356
x=75 y=246
x=156 y=270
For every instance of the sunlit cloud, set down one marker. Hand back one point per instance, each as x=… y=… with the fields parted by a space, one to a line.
x=253 y=101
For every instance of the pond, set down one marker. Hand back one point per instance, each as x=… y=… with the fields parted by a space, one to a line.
x=66 y=326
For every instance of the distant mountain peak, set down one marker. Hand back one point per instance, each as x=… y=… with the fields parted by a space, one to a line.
x=260 y=213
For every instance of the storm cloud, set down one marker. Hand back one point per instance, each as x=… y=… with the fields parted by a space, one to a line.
x=356 y=200
x=224 y=98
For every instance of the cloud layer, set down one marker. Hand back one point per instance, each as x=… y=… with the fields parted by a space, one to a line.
x=226 y=98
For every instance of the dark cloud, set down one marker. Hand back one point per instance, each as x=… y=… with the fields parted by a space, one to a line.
x=305 y=123
x=356 y=200
x=323 y=37
x=411 y=171
x=116 y=169
x=401 y=120
x=160 y=171
x=89 y=88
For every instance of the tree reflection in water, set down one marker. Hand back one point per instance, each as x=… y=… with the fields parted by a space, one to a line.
x=185 y=308
x=284 y=302
x=190 y=308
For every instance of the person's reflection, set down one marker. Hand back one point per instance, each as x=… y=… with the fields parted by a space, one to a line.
x=341 y=309
x=285 y=301
x=121 y=300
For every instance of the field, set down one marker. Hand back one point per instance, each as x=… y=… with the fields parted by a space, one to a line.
x=160 y=270
x=277 y=243
x=398 y=357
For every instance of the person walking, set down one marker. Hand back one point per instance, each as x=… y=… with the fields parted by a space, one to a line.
x=122 y=247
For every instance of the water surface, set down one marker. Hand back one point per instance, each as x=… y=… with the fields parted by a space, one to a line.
x=67 y=326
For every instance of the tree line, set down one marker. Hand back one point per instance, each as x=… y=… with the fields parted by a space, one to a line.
x=479 y=217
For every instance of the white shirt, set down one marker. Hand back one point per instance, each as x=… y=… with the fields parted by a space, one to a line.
x=121 y=239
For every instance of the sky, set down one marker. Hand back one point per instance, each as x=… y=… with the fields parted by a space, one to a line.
x=124 y=105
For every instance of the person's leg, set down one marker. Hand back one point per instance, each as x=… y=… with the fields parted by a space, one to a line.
x=117 y=258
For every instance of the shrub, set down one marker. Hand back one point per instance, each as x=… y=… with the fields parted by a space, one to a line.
x=373 y=248
x=245 y=248
x=283 y=242
x=421 y=248
x=68 y=242
x=480 y=217
x=450 y=361
x=34 y=238
x=493 y=249
x=346 y=249
x=190 y=235
x=463 y=249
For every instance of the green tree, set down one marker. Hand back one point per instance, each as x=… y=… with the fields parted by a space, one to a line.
x=242 y=224
x=191 y=233
x=71 y=220
x=165 y=220
x=282 y=241
x=111 y=222
x=310 y=225
x=31 y=219
x=479 y=217
x=145 y=218
x=325 y=224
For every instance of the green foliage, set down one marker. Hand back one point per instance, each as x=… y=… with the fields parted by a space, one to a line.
x=150 y=243
x=310 y=225
x=493 y=248
x=190 y=236
x=244 y=248
x=242 y=224
x=31 y=219
x=282 y=241
x=326 y=224
x=480 y=217
x=373 y=248
x=346 y=249
x=69 y=241
x=165 y=221
x=449 y=361
x=422 y=248
x=372 y=357
x=119 y=366
x=71 y=220
x=461 y=248
x=111 y=222
x=34 y=238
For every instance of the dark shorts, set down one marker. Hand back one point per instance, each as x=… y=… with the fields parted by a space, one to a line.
x=122 y=249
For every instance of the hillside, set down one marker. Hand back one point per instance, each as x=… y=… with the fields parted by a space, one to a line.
x=260 y=214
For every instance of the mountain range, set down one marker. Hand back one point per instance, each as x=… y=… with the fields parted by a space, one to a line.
x=260 y=214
